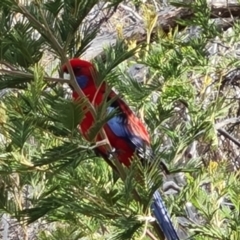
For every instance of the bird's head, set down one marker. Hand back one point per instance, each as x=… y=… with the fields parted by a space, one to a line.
x=82 y=70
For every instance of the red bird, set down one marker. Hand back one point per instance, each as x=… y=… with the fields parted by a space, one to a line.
x=125 y=132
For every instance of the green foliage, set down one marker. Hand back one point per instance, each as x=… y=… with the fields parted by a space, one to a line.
x=179 y=98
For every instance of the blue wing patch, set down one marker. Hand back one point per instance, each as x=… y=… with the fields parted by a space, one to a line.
x=82 y=81
x=119 y=127
x=116 y=124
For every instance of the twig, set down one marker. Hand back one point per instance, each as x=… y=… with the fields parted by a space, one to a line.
x=227 y=135
x=131 y=11
x=7 y=65
x=149 y=234
x=45 y=30
x=227 y=121
x=171 y=185
x=28 y=75
x=75 y=85
x=224 y=132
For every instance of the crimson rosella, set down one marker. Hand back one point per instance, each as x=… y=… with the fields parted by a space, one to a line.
x=125 y=131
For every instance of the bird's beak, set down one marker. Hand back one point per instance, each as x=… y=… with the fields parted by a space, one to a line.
x=68 y=77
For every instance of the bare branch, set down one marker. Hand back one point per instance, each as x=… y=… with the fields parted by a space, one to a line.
x=227 y=135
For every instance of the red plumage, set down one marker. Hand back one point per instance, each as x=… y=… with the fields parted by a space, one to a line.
x=125 y=132
x=96 y=96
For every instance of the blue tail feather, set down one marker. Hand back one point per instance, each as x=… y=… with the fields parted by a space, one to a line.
x=119 y=126
x=163 y=219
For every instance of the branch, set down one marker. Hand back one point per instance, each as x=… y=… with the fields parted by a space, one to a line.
x=227 y=135
x=234 y=120
x=45 y=30
x=223 y=16
x=48 y=33
x=131 y=11
x=28 y=75
x=226 y=8
x=150 y=235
